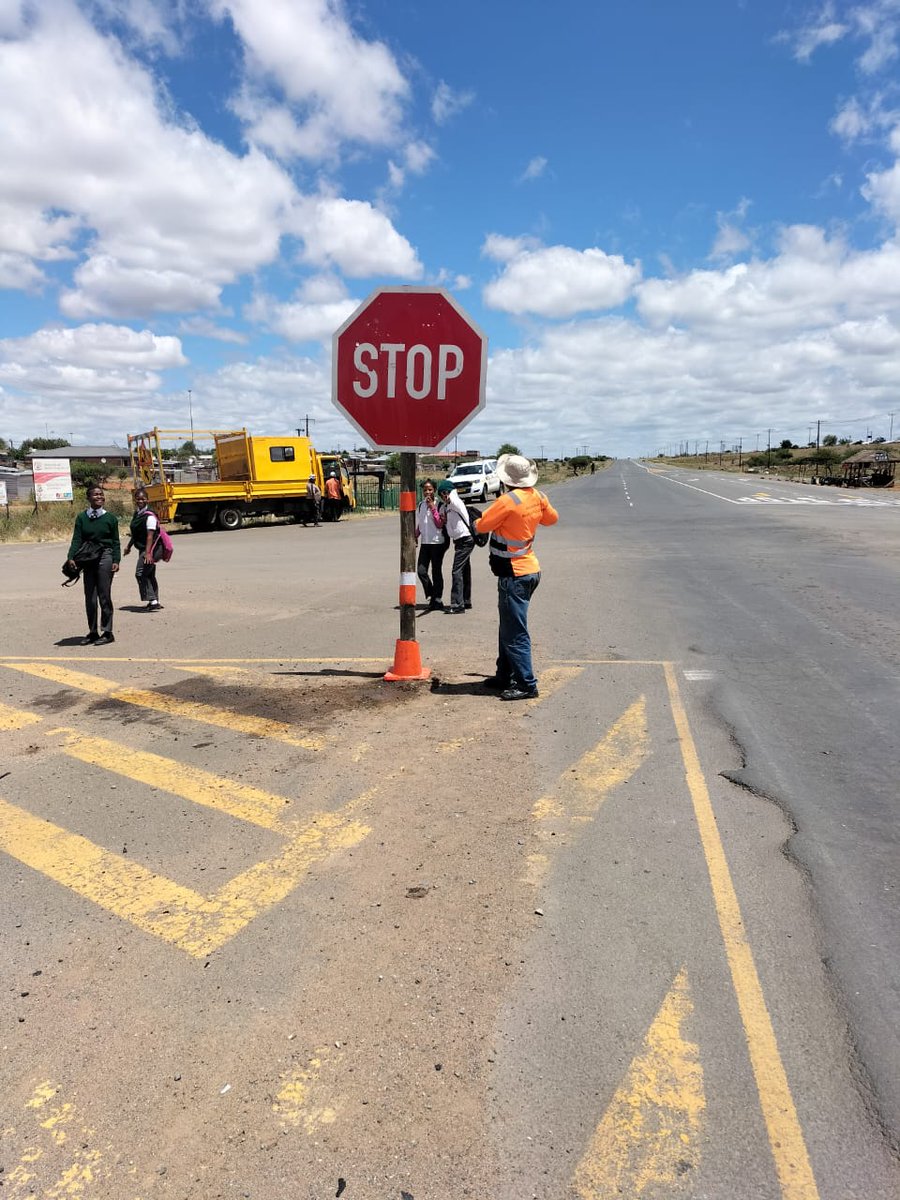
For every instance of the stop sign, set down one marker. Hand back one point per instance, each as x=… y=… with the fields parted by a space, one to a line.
x=408 y=368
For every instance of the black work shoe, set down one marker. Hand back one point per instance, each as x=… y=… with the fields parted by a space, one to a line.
x=495 y=683
x=467 y=606
x=517 y=693
x=454 y=612
x=157 y=607
x=104 y=639
x=89 y=639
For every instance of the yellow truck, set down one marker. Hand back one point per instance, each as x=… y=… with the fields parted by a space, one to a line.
x=254 y=477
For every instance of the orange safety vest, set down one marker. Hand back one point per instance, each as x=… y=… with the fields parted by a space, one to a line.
x=512 y=521
x=332 y=489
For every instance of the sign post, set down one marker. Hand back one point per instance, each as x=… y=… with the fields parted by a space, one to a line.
x=408 y=371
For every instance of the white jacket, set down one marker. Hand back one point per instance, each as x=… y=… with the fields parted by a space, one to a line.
x=456 y=517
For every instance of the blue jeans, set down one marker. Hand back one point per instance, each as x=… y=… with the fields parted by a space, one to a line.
x=514 y=659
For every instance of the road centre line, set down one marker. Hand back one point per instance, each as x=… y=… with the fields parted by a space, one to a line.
x=190 y=710
x=227 y=796
x=198 y=924
x=779 y=1113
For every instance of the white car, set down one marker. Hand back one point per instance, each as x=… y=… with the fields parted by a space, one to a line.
x=476 y=482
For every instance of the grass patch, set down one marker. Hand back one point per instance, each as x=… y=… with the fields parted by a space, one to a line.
x=52 y=522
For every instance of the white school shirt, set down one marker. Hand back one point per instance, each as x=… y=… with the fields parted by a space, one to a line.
x=426 y=530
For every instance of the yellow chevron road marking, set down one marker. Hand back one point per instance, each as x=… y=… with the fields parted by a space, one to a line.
x=85 y=1167
x=785 y=1135
x=615 y=758
x=554 y=678
x=294 y=1102
x=582 y=789
x=239 y=800
x=15 y=718
x=649 y=1137
x=189 y=710
x=193 y=922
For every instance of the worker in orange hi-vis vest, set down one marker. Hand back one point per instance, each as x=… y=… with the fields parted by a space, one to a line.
x=512 y=521
x=334 y=497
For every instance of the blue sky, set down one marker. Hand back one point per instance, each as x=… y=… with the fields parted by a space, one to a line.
x=675 y=223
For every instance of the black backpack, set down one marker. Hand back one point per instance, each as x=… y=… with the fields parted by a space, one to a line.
x=481 y=539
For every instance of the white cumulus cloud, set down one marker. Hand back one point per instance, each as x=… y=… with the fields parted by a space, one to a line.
x=336 y=86
x=557 y=281
x=353 y=236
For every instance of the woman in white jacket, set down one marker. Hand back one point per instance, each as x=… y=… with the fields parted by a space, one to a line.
x=432 y=547
x=456 y=519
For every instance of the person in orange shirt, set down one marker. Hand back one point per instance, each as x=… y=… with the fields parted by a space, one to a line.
x=334 y=498
x=512 y=521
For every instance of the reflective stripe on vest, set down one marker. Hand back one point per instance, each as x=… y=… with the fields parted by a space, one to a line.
x=502 y=546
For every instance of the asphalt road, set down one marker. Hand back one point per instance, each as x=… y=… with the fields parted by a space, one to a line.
x=273 y=927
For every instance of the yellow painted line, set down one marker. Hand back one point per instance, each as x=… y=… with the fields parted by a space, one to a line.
x=294 y=1102
x=204 y=714
x=15 y=718
x=85 y=1167
x=556 y=677
x=615 y=758
x=42 y=1094
x=650 y=1135
x=11 y=658
x=582 y=789
x=195 y=923
x=191 y=783
x=782 y=1124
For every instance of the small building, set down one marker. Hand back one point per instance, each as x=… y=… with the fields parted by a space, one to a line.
x=872 y=467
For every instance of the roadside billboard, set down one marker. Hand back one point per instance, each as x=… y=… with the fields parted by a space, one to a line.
x=52 y=479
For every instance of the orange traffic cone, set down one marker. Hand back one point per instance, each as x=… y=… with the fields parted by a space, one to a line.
x=407 y=663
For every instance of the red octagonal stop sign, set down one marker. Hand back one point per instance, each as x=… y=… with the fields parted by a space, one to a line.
x=409 y=368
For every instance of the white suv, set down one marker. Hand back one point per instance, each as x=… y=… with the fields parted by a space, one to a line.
x=476 y=481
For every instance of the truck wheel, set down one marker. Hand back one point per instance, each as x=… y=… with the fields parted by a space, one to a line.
x=230 y=518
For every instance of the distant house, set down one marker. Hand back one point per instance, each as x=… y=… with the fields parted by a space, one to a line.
x=872 y=467
x=109 y=456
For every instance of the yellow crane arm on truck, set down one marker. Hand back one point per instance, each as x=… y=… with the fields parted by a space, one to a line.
x=242 y=476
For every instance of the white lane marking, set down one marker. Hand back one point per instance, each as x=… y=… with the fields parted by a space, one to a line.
x=698 y=674
x=838 y=502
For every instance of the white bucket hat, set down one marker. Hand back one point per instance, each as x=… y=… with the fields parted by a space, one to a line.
x=517 y=471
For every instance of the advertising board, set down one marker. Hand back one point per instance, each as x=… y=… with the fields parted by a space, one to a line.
x=52 y=479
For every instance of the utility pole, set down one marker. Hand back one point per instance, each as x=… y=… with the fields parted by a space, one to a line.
x=706 y=451
x=191 y=413
x=740 y=453
x=757 y=441
x=818 y=432
x=768 y=449
x=891 y=434
x=306 y=421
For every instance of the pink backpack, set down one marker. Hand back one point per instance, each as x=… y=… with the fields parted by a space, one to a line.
x=162 y=547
